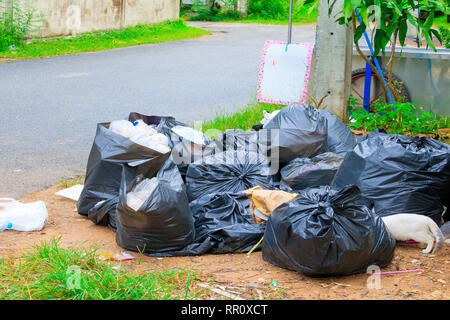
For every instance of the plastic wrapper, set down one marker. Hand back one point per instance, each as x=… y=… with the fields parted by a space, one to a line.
x=267 y=116
x=324 y=232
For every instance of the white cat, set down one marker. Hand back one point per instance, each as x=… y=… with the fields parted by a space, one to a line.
x=415 y=227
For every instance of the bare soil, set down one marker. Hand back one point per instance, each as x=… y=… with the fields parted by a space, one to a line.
x=247 y=276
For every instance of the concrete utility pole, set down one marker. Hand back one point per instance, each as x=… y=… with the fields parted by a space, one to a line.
x=332 y=61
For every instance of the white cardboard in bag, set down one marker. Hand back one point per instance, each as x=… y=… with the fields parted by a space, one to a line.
x=23 y=216
x=72 y=193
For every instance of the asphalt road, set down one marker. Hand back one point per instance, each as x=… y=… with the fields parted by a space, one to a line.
x=50 y=107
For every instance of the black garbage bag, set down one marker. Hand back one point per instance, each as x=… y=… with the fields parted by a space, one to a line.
x=228 y=171
x=163 y=222
x=104 y=168
x=340 y=138
x=302 y=173
x=104 y=213
x=240 y=140
x=324 y=232
x=224 y=223
x=399 y=174
x=297 y=131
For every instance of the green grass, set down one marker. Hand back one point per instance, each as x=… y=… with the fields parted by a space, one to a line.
x=408 y=120
x=105 y=40
x=300 y=21
x=259 y=20
x=71 y=181
x=441 y=22
x=301 y=17
x=50 y=272
x=243 y=119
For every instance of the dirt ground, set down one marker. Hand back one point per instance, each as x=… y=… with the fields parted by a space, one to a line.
x=246 y=276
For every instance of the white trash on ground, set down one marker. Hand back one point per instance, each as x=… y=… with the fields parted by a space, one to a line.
x=72 y=193
x=20 y=216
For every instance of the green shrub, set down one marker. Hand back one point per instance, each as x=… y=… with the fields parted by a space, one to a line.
x=400 y=118
x=269 y=9
x=279 y=9
x=16 y=23
x=445 y=34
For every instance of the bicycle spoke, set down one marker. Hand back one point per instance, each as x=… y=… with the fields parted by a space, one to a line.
x=375 y=99
x=358 y=94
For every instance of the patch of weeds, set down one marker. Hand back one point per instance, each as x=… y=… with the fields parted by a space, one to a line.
x=204 y=14
x=17 y=21
x=50 y=272
x=445 y=34
x=243 y=119
x=105 y=40
x=399 y=118
x=263 y=12
x=71 y=181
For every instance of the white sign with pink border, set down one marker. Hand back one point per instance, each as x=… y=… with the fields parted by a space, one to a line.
x=284 y=72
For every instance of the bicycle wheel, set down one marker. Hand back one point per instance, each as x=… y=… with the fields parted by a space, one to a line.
x=376 y=90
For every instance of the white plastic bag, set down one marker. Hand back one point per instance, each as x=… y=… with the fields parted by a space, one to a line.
x=20 y=216
x=193 y=143
x=140 y=193
x=195 y=136
x=143 y=128
x=157 y=142
x=141 y=133
x=124 y=128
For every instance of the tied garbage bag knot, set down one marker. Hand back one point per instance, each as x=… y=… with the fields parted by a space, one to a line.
x=311 y=235
x=229 y=171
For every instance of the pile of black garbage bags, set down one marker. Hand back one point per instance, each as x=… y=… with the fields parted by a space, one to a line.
x=190 y=200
